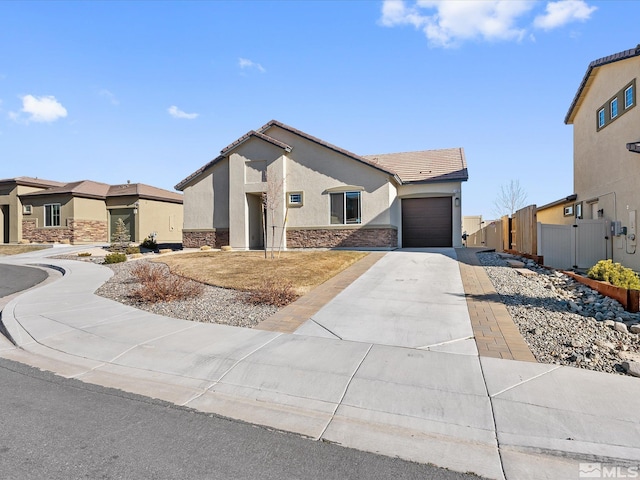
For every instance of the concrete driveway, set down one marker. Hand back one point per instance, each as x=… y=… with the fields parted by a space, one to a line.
x=410 y=298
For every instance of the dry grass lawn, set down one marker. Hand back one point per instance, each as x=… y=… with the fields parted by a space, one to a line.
x=16 y=249
x=249 y=271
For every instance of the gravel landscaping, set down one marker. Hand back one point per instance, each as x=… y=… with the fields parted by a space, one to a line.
x=565 y=322
x=215 y=305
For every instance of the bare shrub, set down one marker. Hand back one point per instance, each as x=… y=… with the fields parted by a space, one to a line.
x=272 y=292
x=159 y=286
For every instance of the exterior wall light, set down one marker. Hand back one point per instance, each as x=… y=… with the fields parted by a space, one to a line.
x=634 y=147
x=457 y=202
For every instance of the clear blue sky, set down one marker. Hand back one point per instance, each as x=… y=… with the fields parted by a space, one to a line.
x=150 y=91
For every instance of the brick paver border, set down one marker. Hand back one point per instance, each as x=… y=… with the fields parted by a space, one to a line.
x=495 y=332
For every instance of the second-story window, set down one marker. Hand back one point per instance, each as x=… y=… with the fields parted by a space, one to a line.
x=601 y=118
x=614 y=108
x=628 y=97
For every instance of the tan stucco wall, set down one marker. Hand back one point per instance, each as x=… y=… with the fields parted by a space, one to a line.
x=603 y=168
x=444 y=189
x=164 y=218
x=9 y=196
x=89 y=209
x=38 y=203
x=206 y=200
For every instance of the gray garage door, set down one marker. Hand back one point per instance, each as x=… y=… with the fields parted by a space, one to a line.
x=427 y=222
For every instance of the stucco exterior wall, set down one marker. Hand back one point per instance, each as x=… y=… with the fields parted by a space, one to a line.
x=164 y=218
x=9 y=197
x=605 y=172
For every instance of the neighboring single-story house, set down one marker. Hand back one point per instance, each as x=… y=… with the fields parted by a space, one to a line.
x=320 y=195
x=86 y=211
x=559 y=212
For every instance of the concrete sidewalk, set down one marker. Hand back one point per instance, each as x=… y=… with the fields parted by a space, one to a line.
x=373 y=390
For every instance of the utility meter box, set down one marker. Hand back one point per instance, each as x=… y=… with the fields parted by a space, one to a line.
x=616 y=228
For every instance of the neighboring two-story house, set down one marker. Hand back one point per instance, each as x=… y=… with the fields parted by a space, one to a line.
x=320 y=195
x=606 y=147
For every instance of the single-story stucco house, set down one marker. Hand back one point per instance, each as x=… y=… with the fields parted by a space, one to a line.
x=320 y=195
x=36 y=210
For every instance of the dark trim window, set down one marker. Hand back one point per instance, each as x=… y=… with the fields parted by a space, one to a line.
x=52 y=215
x=628 y=97
x=611 y=110
x=345 y=208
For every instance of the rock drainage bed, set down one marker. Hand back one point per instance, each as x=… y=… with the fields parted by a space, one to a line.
x=565 y=322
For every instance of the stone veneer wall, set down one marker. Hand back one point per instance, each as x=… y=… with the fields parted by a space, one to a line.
x=347 y=237
x=215 y=238
x=84 y=231
x=88 y=231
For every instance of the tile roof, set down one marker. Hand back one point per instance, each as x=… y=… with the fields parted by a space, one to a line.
x=91 y=189
x=442 y=165
x=142 y=190
x=426 y=165
x=589 y=75
x=82 y=188
x=32 y=182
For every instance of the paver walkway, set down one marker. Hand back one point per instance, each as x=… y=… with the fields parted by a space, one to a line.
x=495 y=332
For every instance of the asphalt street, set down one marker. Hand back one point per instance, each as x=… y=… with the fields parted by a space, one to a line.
x=14 y=278
x=58 y=428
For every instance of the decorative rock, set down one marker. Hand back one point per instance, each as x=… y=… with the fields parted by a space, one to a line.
x=599 y=316
x=226 y=248
x=632 y=368
x=635 y=328
x=515 y=264
x=620 y=327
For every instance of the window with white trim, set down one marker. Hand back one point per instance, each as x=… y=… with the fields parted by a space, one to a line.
x=628 y=97
x=294 y=199
x=52 y=215
x=601 y=119
x=614 y=108
x=345 y=208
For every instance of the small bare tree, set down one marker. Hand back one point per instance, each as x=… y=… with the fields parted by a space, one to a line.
x=271 y=201
x=511 y=198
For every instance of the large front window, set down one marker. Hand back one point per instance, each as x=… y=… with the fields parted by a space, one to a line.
x=52 y=215
x=345 y=208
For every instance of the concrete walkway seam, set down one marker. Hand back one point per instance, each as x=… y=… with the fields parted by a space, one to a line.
x=355 y=371
x=524 y=381
x=219 y=380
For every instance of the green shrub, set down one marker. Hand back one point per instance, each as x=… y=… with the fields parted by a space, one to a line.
x=84 y=254
x=132 y=250
x=149 y=243
x=615 y=274
x=115 y=258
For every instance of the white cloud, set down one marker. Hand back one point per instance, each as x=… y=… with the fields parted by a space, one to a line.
x=175 y=112
x=448 y=23
x=40 y=109
x=245 y=63
x=558 y=14
x=110 y=96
